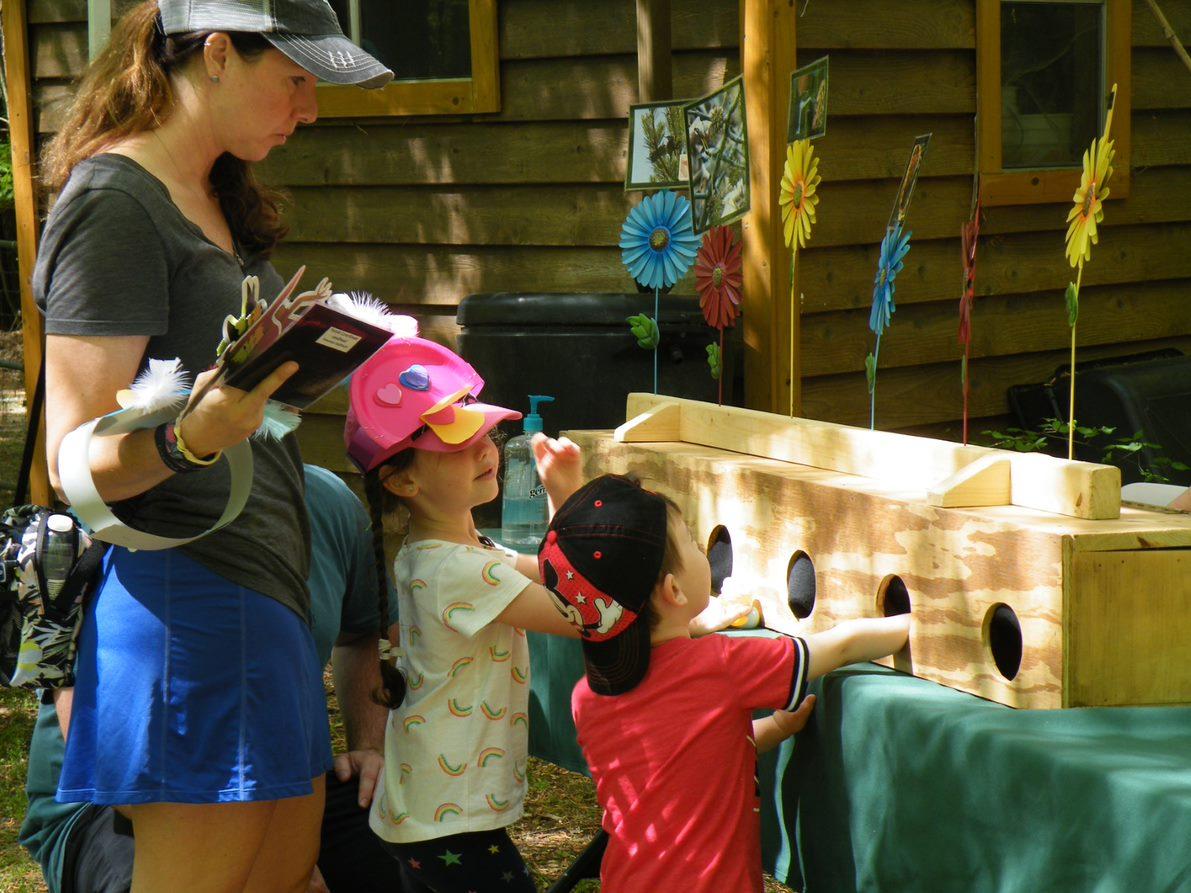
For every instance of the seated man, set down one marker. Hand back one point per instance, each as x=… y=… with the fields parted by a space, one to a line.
x=84 y=848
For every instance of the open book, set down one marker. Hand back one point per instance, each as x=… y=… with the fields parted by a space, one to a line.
x=327 y=335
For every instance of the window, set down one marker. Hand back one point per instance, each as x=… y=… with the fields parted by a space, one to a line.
x=444 y=55
x=1044 y=71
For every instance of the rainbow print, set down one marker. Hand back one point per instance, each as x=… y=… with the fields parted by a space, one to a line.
x=453 y=771
x=520 y=676
x=415 y=633
x=459 y=665
x=497 y=654
x=489 y=573
x=427 y=547
x=521 y=719
x=398 y=819
x=519 y=771
x=415 y=681
x=413 y=721
x=490 y=712
x=519 y=631
x=496 y=804
x=488 y=755
x=447 y=809
x=450 y=610
x=417 y=585
x=406 y=770
x=457 y=709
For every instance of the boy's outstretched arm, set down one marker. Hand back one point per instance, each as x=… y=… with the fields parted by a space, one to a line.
x=771 y=731
x=856 y=640
x=560 y=466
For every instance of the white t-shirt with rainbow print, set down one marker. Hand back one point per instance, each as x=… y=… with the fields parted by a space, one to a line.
x=456 y=748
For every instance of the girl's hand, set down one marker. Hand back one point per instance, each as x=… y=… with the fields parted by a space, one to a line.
x=225 y=416
x=719 y=614
x=560 y=466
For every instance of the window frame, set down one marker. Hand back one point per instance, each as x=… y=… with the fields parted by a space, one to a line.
x=477 y=94
x=1000 y=187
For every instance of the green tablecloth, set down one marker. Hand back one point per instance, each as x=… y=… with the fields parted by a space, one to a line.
x=898 y=784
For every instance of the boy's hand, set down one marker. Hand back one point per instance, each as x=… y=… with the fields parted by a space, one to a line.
x=792 y=722
x=719 y=614
x=560 y=466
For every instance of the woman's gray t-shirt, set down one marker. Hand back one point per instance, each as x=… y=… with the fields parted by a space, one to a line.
x=119 y=258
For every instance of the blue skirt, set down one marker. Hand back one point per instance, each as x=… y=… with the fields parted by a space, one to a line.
x=191 y=689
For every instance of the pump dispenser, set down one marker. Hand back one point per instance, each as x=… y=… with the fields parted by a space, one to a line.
x=524 y=509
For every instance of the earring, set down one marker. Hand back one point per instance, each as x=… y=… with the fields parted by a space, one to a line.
x=214 y=79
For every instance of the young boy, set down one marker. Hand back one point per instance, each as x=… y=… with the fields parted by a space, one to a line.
x=664 y=720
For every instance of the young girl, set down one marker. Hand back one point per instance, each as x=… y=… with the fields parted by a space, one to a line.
x=457 y=741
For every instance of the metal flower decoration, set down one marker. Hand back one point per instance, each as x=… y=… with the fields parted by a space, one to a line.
x=894 y=248
x=718 y=277
x=657 y=242
x=798 y=197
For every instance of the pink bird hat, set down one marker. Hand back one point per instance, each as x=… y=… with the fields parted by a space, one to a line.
x=415 y=393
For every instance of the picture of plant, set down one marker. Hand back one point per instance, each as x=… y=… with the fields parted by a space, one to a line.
x=807 y=118
x=657 y=147
x=717 y=140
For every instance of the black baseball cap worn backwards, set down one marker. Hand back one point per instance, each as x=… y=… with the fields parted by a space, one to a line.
x=600 y=560
x=307 y=31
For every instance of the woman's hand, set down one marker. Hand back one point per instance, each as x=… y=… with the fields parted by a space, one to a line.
x=560 y=466
x=225 y=416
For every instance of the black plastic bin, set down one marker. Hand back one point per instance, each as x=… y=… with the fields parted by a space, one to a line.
x=578 y=349
x=1151 y=394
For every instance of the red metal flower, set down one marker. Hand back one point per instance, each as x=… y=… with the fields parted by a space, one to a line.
x=718 y=277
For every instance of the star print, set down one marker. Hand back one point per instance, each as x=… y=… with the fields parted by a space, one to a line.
x=570 y=575
x=581 y=598
x=414 y=863
x=450 y=858
x=507 y=877
x=494 y=850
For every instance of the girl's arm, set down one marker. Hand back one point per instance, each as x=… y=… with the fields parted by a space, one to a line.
x=83 y=374
x=535 y=609
x=856 y=640
x=771 y=731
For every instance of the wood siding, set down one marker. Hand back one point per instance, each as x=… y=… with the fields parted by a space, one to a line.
x=425 y=211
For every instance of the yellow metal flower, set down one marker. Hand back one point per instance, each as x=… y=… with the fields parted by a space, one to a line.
x=800 y=179
x=1089 y=198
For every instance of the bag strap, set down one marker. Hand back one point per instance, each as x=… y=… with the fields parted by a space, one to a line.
x=83 y=572
x=31 y=435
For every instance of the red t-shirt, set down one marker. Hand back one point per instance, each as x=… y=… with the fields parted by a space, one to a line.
x=674 y=762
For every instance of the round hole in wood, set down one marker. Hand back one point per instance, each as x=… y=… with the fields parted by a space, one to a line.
x=719 y=556
x=893 y=598
x=800 y=585
x=1002 y=634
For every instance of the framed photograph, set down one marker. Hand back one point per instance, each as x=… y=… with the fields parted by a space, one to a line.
x=657 y=147
x=909 y=179
x=717 y=140
x=808 y=102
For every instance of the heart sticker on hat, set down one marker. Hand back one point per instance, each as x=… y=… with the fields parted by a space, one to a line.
x=416 y=378
x=390 y=395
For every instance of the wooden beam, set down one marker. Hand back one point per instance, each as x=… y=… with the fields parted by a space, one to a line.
x=767 y=49
x=22 y=136
x=655 y=81
x=985 y=482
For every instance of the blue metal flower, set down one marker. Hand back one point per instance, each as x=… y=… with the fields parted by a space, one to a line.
x=894 y=248
x=658 y=244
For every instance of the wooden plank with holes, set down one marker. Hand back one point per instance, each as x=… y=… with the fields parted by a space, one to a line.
x=1008 y=603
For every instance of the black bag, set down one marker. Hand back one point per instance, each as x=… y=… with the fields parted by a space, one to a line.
x=38 y=633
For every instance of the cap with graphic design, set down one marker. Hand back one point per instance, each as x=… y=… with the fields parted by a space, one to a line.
x=415 y=393
x=307 y=31
x=600 y=560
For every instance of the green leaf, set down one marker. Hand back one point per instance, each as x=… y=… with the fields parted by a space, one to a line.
x=870 y=372
x=714 y=361
x=1180 y=466
x=1072 y=298
x=645 y=330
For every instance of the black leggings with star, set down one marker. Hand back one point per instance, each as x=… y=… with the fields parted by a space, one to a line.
x=478 y=862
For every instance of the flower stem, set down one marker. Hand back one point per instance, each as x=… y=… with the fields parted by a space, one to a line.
x=872 y=410
x=793 y=310
x=721 y=381
x=655 y=347
x=1071 y=401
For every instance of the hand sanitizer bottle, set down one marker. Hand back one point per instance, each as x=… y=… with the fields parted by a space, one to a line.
x=524 y=509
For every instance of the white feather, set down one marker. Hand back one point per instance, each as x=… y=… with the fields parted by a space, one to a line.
x=279 y=421
x=164 y=383
x=370 y=309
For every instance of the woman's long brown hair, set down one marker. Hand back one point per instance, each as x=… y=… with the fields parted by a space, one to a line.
x=126 y=90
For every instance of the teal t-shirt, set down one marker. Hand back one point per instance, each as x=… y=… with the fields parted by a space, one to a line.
x=343 y=601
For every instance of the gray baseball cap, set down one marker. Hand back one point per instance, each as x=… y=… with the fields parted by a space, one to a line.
x=307 y=31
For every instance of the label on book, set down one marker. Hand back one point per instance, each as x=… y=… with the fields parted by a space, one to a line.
x=337 y=339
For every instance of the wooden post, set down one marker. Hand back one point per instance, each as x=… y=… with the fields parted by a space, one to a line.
x=654 y=79
x=767 y=48
x=21 y=133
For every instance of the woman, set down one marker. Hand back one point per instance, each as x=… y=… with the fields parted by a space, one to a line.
x=198 y=709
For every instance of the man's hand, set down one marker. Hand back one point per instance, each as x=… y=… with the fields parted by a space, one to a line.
x=719 y=614
x=317 y=884
x=560 y=466
x=367 y=765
